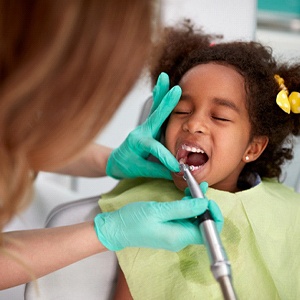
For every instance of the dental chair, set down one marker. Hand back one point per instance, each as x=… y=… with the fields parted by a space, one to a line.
x=91 y=278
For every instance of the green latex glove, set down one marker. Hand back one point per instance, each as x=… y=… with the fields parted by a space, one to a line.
x=160 y=225
x=212 y=206
x=130 y=159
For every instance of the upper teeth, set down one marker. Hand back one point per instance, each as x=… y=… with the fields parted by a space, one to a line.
x=192 y=149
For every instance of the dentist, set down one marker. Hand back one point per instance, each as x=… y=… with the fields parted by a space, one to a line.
x=66 y=65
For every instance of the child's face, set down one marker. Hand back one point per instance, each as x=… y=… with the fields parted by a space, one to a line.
x=211 y=117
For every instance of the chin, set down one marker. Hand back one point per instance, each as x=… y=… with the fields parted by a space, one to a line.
x=179 y=182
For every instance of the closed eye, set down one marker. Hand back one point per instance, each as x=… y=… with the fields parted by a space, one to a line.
x=221 y=119
x=181 y=112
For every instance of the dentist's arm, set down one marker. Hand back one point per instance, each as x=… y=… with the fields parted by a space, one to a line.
x=141 y=224
x=30 y=254
x=91 y=162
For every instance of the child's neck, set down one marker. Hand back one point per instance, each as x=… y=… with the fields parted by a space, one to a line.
x=231 y=187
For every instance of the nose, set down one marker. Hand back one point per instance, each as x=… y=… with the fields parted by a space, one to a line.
x=195 y=124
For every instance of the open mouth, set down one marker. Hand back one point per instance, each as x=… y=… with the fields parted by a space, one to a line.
x=192 y=156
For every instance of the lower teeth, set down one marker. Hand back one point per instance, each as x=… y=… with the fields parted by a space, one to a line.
x=193 y=168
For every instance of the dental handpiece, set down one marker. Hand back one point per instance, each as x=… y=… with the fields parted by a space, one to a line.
x=220 y=266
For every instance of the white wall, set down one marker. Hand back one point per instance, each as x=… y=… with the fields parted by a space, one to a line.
x=235 y=19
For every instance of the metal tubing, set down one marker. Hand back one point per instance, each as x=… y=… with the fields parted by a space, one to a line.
x=227 y=288
x=220 y=266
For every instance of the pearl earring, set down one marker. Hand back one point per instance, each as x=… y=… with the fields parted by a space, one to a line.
x=247 y=158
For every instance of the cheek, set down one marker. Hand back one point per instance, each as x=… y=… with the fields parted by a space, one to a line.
x=232 y=146
x=169 y=137
x=172 y=134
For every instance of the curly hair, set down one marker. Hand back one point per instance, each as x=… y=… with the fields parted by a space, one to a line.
x=185 y=47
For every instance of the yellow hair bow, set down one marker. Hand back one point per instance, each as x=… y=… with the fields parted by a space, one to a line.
x=285 y=101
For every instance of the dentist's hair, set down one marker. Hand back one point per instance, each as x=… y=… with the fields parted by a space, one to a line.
x=184 y=47
x=66 y=65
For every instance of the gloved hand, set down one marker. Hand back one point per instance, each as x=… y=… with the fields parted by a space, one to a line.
x=160 y=225
x=212 y=206
x=130 y=159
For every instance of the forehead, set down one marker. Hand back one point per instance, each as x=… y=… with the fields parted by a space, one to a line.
x=214 y=80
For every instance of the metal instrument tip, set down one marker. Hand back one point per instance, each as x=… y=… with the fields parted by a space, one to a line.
x=184 y=167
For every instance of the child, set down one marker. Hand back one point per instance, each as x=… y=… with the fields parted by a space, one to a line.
x=233 y=124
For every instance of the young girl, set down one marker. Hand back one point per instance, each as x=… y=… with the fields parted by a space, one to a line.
x=234 y=125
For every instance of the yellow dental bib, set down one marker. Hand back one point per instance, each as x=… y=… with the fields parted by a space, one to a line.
x=261 y=236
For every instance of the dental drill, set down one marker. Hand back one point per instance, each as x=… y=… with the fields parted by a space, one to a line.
x=220 y=266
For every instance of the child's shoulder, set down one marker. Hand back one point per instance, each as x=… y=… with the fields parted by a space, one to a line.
x=273 y=187
x=140 y=183
x=142 y=189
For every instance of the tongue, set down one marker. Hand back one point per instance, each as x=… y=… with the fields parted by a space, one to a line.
x=196 y=159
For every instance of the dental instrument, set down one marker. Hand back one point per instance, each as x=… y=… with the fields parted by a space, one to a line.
x=220 y=265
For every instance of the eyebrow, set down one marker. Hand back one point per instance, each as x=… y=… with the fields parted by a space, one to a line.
x=226 y=103
x=217 y=101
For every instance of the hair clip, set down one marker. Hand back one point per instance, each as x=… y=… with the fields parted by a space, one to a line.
x=285 y=101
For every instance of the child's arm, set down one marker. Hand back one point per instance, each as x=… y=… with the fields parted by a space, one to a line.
x=122 y=291
x=30 y=254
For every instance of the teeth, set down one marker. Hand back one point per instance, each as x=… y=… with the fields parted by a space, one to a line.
x=181 y=161
x=192 y=149
x=194 y=168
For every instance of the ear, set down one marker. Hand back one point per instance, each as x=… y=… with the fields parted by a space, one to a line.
x=255 y=148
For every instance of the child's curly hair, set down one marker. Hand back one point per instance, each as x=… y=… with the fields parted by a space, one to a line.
x=183 y=48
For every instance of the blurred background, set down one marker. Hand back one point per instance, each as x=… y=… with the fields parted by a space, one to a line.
x=272 y=22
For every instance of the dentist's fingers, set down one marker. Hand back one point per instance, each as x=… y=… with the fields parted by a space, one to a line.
x=162 y=153
x=176 y=210
x=164 y=109
x=203 y=186
x=160 y=90
x=154 y=170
